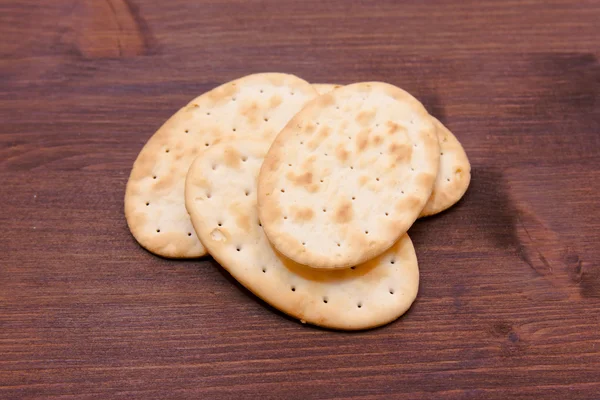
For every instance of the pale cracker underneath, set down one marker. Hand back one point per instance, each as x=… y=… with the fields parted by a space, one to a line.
x=221 y=198
x=348 y=175
x=256 y=106
x=454 y=172
x=453 y=176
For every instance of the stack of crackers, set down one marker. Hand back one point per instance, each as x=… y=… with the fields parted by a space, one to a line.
x=304 y=193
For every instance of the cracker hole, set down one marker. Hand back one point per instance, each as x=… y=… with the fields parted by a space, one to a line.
x=337 y=107
x=262 y=91
x=324 y=209
x=293 y=288
x=247 y=192
x=260 y=224
x=208 y=113
x=282 y=190
x=208 y=195
x=207 y=144
x=301 y=142
x=377 y=125
x=266 y=119
x=214 y=166
x=238 y=248
x=339 y=244
x=352 y=267
x=264 y=270
x=366 y=232
x=392 y=261
x=244 y=158
x=325 y=154
x=321 y=180
x=220 y=224
x=353 y=198
x=289 y=165
x=158 y=231
x=352 y=167
x=233 y=99
x=359 y=305
x=442 y=153
x=292 y=93
x=189 y=233
x=377 y=179
x=147 y=203
x=303 y=243
x=318 y=123
x=391 y=291
x=386 y=214
x=187 y=131
x=167 y=150
x=448 y=179
x=154 y=177
x=325 y=300
x=234 y=129
x=402 y=191
x=412 y=169
x=285 y=217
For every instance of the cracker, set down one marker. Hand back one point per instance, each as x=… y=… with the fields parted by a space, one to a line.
x=256 y=106
x=323 y=88
x=348 y=175
x=220 y=196
x=453 y=176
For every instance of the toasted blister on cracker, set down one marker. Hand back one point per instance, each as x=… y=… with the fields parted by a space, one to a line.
x=348 y=175
x=323 y=88
x=453 y=176
x=256 y=106
x=221 y=197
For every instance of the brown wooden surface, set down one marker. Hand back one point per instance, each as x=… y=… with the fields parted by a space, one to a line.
x=509 y=304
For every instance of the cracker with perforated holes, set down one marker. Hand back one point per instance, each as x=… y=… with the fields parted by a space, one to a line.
x=256 y=106
x=454 y=172
x=348 y=175
x=220 y=196
x=453 y=176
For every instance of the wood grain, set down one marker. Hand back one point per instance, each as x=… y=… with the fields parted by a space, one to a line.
x=509 y=305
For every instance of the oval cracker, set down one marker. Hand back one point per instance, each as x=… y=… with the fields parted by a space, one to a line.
x=221 y=200
x=364 y=158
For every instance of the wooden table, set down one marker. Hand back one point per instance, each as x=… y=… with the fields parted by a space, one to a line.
x=509 y=303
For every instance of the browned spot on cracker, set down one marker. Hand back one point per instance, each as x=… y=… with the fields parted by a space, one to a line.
x=300 y=180
x=407 y=203
x=362 y=180
x=275 y=101
x=308 y=163
x=341 y=153
x=377 y=140
x=400 y=152
x=250 y=110
x=302 y=213
x=232 y=158
x=343 y=214
x=309 y=128
x=242 y=219
x=313 y=188
x=425 y=180
x=324 y=132
x=394 y=128
x=326 y=100
x=364 y=118
x=362 y=139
